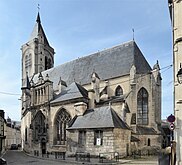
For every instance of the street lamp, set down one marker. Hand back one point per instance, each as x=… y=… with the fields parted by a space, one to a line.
x=179 y=75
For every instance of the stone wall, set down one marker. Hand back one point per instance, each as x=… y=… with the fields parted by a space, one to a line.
x=114 y=140
x=122 y=141
x=155 y=140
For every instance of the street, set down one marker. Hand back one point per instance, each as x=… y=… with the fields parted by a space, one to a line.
x=14 y=157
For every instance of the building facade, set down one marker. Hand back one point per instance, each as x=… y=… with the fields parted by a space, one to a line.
x=109 y=101
x=2 y=132
x=12 y=133
x=175 y=7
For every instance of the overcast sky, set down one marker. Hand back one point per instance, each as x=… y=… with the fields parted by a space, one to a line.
x=76 y=28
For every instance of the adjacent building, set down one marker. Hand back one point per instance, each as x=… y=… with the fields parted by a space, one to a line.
x=2 y=135
x=109 y=101
x=175 y=7
x=12 y=133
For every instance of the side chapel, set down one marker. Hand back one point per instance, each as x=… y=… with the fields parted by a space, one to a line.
x=109 y=101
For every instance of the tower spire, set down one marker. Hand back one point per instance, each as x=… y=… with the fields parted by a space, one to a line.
x=133 y=34
x=38 y=18
x=38 y=15
x=38 y=7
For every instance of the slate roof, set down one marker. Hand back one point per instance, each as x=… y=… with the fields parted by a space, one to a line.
x=73 y=91
x=145 y=130
x=109 y=63
x=103 y=117
x=134 y=139
x=38 y=29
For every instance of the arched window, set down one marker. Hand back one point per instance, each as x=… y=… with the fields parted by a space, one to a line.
x=142 y=106
x=28 y=60
x=61 y=123
x=39 y=128
x=48 y=63
x=148 y=144
x=118 y=91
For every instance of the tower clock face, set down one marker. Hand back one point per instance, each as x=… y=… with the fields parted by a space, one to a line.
x=28 y=60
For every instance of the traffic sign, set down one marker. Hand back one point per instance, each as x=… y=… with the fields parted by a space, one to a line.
x=171 y=118
x=171 y=126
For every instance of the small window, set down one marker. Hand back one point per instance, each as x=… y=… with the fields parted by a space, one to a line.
x=119 y=91
x=148 y=142
x=98 y=137
x=82 y=138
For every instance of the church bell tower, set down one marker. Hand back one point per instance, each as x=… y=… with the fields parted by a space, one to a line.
x=37 y=54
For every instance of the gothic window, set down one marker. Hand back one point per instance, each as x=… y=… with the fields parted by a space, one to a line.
x=142 y=106
x=98 y=137
x=38 y=126
x=118 y=91
x=82 y=138
x=61 y=123
x=48 y=64
x=28 y=60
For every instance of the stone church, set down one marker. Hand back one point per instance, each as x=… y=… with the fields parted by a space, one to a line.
x=108 y=101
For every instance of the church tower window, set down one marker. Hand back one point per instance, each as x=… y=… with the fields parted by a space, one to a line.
x=28 y=60
x=48 y=63
x=61 y=123
x=142 y=107
x=119 y=91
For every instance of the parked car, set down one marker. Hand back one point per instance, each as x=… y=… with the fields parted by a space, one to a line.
x=3 y=161
x=14 y=147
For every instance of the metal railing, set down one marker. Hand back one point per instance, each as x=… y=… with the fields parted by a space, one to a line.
x=108 y=157
x=82 y=156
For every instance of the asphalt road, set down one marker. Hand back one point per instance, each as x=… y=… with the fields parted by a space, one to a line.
x=14 y=157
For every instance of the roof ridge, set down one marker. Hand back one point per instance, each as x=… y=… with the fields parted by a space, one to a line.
x=92 y=54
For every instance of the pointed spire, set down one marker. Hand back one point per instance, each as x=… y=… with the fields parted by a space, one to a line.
x=38 y=29
x=38 y=18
